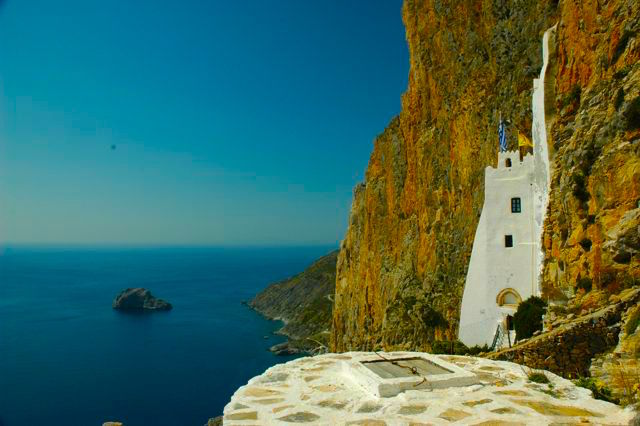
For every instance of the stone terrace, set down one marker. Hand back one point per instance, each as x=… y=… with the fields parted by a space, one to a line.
x=323 y=390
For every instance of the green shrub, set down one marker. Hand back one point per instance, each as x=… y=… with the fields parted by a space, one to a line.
x=632 y=322
x=551 y=392
x=632 y=114
x=619 y=99
x=622 y=73
x=538 y=377
x=629 y=281
x=431 y=317
x=475 y=350
x=586 y=244
x=585 y=283
x=621 y=46
x=600 y=391
x=607 y=277
x=558 y=309
x=449 y=347
x=573 y=97
x=579 y=189
x=528 y=318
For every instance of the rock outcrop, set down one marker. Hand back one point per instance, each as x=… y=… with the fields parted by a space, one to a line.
x=592 y=234
x=289 y=347
x=619 y=369
x=403 y=262
x=304 y=303
x=139 y=299
x=215 y=421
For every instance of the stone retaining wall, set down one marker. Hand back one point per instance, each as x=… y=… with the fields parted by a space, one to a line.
x=569 y=349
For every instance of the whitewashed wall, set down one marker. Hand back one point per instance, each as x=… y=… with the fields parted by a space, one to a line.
x=494 y=267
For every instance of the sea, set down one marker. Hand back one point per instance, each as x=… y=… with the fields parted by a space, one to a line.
x=68 y=358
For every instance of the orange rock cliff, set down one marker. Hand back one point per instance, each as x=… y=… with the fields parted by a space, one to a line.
x=402 y=264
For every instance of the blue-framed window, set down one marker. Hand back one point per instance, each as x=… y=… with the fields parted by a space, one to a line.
x=516 y=205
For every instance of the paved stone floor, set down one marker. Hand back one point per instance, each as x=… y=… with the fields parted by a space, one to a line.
x=321 y=391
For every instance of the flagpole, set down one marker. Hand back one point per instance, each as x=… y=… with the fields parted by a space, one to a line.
x=499 y=127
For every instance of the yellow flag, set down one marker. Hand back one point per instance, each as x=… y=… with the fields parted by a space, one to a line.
x=523 y=140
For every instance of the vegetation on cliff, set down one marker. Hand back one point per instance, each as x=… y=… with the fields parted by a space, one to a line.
x=304 y=302
x=528 y=318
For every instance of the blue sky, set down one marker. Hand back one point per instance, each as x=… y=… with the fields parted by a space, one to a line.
x=234 y=122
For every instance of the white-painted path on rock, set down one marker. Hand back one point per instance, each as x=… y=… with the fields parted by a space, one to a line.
x=542 y=170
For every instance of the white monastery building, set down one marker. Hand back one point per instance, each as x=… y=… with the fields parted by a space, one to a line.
x=506 y=259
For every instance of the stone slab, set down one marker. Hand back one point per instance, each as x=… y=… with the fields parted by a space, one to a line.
x=395 y=375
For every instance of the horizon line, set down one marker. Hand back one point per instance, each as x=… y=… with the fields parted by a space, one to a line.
x=9 y=245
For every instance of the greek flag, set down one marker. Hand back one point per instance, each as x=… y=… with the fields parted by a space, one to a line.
x=502 y=135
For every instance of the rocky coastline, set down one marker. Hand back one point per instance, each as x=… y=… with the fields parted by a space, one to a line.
x=304 y=303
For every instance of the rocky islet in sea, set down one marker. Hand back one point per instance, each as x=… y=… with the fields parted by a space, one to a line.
x=139 y=299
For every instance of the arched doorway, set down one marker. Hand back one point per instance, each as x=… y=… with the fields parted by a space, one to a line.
x=509 y=298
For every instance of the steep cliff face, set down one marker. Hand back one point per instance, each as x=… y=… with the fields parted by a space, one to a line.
x=592 y=230
x=402 y=264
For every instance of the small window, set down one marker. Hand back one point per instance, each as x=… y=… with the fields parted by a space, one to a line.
x=508 y=240
x=516 y=205
x=507 y=162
